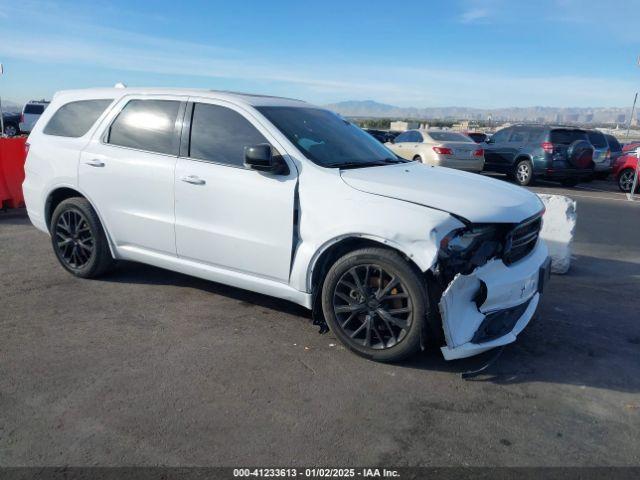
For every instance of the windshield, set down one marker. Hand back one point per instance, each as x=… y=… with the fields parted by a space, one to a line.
x=448 y=137
x=327 y=139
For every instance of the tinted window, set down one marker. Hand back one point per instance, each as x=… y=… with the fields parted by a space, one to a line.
x=519 y=135
x=34 y=109
x=219 y=135
x=614 y=145
x=76 y=118
x=147 y=125
x=449 y=137
x=326 y=138
x=597 y=139
x=477 y=137
x=567 y=137
x=416 y=137
x=501 y=135
x=403 y=137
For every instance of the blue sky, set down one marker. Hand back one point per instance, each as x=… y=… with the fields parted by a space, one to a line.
x=490 y=53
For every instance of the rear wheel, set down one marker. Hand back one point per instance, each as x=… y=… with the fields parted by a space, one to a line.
x=418 y=158
x=523 y=173
x=625 y=180
x=375 y=304
x=78 y=239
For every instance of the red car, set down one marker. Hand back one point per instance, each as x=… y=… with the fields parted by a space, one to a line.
x=627 y=147
x=623 y=171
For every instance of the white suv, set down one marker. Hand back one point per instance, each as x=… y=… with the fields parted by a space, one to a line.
x=287 y=199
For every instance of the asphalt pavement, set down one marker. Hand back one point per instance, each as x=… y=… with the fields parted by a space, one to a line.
x=150 y=367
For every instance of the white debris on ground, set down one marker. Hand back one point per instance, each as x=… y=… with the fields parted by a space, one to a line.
x=558 y=229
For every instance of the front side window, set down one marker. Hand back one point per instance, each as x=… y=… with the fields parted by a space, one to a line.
x=327 y=139
x=147 y=125
x=74 y=119
x=219 y=134
x=501 y=135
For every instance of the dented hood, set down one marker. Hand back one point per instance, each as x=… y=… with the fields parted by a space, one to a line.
x=474 y=197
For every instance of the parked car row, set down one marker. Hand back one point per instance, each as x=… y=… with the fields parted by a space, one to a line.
x=524 y=153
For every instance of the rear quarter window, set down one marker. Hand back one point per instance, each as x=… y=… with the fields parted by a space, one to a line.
x=74 y=119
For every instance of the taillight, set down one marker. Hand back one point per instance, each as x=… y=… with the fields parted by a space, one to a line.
x=547 y=147
x=26 y=149
x=478 y=153
x=443 y=150
x=608 y=155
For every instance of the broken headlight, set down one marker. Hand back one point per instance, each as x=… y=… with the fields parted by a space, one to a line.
x=464 y=249
x=464 y=240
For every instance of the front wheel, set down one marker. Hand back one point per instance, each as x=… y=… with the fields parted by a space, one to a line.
x=375 y=304
x=625 y=180
x=11 y=130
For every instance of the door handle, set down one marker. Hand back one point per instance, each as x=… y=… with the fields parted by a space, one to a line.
x=193 y=179
x=95 y=163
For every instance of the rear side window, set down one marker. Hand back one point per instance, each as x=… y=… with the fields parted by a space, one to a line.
x=219 y=134
x=147 y=125
x=76 y=118
x=403 y=137
x=597 y=139
x=567 y=137
x=33 y=109
x=614 y=145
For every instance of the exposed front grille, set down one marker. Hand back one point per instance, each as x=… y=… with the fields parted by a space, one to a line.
x=522 y=239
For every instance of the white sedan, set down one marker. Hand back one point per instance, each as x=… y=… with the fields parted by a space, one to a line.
x=439 y=147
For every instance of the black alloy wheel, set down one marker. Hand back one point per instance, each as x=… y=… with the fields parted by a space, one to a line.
x=78 y=239
x=376 y=303
x=372 y=306
x=73 y=239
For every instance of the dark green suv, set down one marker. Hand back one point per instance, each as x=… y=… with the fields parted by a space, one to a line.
x=527 y=152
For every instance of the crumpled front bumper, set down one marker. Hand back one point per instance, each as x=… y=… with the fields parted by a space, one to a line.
x=490 y=306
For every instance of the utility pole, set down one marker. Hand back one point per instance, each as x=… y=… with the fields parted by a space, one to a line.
x=1 y=112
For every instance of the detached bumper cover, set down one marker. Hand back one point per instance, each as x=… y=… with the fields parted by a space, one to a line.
x=489 y=307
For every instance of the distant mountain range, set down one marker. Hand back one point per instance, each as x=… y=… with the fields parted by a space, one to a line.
x=372 y=109
x=10 y=107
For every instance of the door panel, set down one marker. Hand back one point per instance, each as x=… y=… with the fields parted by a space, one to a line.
x=227 y=215
x=133 y=190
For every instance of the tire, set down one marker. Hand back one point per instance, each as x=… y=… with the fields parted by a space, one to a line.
x=523 y=173
x=11 y=130
x=418 y=158
x=625 y=180
x=388 y=284
x=78 y=239
x=569 y=182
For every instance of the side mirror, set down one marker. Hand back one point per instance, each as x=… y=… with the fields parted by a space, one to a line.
x=260 y=158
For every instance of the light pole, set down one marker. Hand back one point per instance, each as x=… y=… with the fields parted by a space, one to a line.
x=634 y=185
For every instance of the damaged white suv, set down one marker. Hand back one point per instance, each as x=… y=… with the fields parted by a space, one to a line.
x=286 y=199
